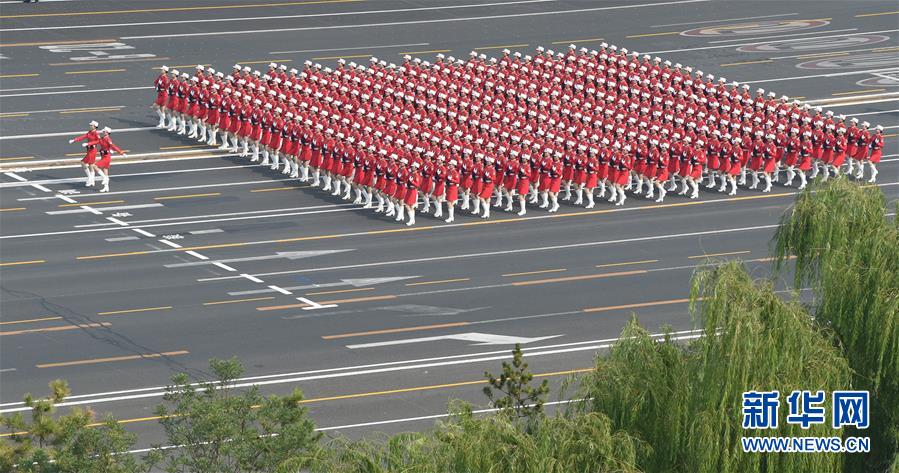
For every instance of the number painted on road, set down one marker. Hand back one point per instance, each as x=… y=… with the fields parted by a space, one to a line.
x=121 y=214
x=175 y=236
x=97 y=51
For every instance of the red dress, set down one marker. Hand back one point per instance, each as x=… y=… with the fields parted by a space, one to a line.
x=162 y=93
x=555 y=175
x=476 y=182
x=106 y=149
x=524 y=178
x=452 y=185
x=488 y=180
x=592 y=173
x=510 y=175
x=439 y=180
x=92 y=138
x=876 y=146
x=413 y=181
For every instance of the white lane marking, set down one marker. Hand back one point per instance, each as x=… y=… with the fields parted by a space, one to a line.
x=291 y=255
x=85 y=91
x=278 y=289
x=281 y=17
x=366 y=48
x=197 y=255
x=70 y=180
x=832 y=74
x=42 y=88
x=124 y=238
x=312 y=305
x=480 y=338
x=865 y=102
x=71 y=133
x=224 y=266
x=358 y=282
x=90 y=209
x=733 y=40
x=205 y=232
x=64 y=109
x=415 y=22
x=722 y=20
x=84 y=209
x=824 y=55
x=346 y=372
x=6 y=370
x=169 y=243
x=25 y=182
x=165 y=189
x=702 y=48
x=252 y=278
x=46 y=163
x=893 y=95
x=144 y=232
x=117 y=221
x=61 y=197
x=230 y=214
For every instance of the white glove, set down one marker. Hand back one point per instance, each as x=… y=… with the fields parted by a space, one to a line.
x=84 y=145
x=71 y=141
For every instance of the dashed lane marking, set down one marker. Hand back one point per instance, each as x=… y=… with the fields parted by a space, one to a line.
x=341 y=291
x=853 y=92
x=12 y=76
x=730 y=64
x=433 y=51
x=13 y=209
x=527 y=273
x=100 y=71
x=26 y=321
x=501 y=46
x=331 y=58
x=865 y=15
x=626 y=263
x=443 y=281
x=324 y=303
x=105 y=202
x=713 y=255
x=578 y=278
x=667 y=33
x=638 y=305
x=235 y=301
x=49 y=43
x=20 y=263
x=576 y=41
x=394 y=330
x=131 y=311
x=112 y=359
x=59 y=328
x=189 y=196
x=111 y=61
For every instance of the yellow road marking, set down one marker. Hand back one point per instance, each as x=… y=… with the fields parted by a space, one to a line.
x=578 y=278
x=17 y=263
x=433 y=51
x=190 y=196
x=93 y=110
x=112 y=359
x=667 y=33
x=182 y=147
x=745 y=62
x=58 y=328
x=234 y=301
x=394 y=330
x=611 y=265
x=10 y=76
x=535 y=272
x=48 y=43
x=891 y=48
x=19 y=157
x=575 y=41
x=41 y=319
x=264 y=61
x=637 y=305
x=174 y=9
x=13 y=115
x=503 y=46
x=439 y=227
x=353 y=396
x=76 y=204
x=340 y=291
x=109 y=61
x=890 y=135
x=96 y=72
x=339 y=301
x=877 y=14
x=130 y=311
x=852 y=92
x=437 y=282
x=712 y=255
x=808 y=56
x=353 y=56
x=14 y=209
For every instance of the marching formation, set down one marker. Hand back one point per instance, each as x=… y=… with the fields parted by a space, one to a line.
x=512 y=131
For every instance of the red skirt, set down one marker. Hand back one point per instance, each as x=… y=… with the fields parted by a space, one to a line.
x=580 y=177
x=875 y=156
x=662 y=175
x=486 y=191
x=161 y=99
x=347 y=170
x=104 y=161
x=545 y=182
x=224 y=122
x=90 y=156
x=805 y=163
x=735 y=169
x=790 y=158
x=827 y=156
x=367 y=178
x=509 y=183
x=452 y=193
x=838 y=159
x=411 y=197
x=696 y=172
x=555 y=184
x=173 y=102
x=524 y=186
x=467 y=181
x=399 y=192
x=389 y=187
x=861 y=153
x=769 y=165
x=439 y=188
x=476 y=186
x=246 y=130
x=567 y=173
x=593 y=179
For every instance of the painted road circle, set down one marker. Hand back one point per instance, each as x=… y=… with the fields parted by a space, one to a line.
x=882 y=80
x=857 y=61
x=755 y=28
x=814 y=44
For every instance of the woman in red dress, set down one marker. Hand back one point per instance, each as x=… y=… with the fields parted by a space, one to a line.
x=452 y=189
x=162 y=95
x=91 y=138
x=410 y=199
x=524 y=181
x=488 y=183
x=107 y=147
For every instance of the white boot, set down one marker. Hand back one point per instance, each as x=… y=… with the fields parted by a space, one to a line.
x=613 y=195
x=523 y=209
x=684 y=184
x=193 y=129
x=438 y=209
x=622 y=199
x=336 y=183
x=327 y=186
x=161 y=123
x=555 y=207
x=662 y=192
x=358 y=196
x=580 y=196
x=89 y=173
x=486 y=209
x=202 y=130
x=695 y=187
x=391 y=209
x=652 y=191
x=567 y=191
x=755 y=180
x=316 y=180
x=349 y=190
x=733 y=186
x=767 y=184
x=276 y=161
x=509 y=205
x=400 y=212
x=426 y=207
x=591 y=204
x=380 y=204
x=172 y=121
x=791 y=174
x=802 y=181
x=873 y=173
x=294 y=170
x=545 y=203
x=411 y=218
x=477 y=206
x=465 y=198
x=639 y=189
x=450 y=209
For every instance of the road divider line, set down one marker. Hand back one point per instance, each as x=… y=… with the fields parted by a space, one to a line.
x=235 y=301
x=189 y=196
x=105 y=202
x=40 y=319
x=637 y=305
x=667 y=33
x=625 y=263
x=17 y=157
x=341 y=291
x=131 y=311
x=183 y=147
x=19 y=263
x=528 y=273
x=111 y=61
x=576 y=41
x=730 y=64
x=58 y=328
x=95 y=110
x=503 y=46
x=443 y=281
x=279 y=189
x=324 y=303
x=13 y=209
x=394 y=330
x=853 y=92
x=51 y=43
x=579 y=278
x=713 y=255
x=865 y=15
x=178 y=9
x=113 y=359
x=416 y=53
x=100 y=71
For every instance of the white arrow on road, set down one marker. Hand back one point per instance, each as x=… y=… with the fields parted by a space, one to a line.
x=481 y=338
x=281 y=254
x=358 y=282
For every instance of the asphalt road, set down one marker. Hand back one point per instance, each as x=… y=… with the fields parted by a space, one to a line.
x=190 y=255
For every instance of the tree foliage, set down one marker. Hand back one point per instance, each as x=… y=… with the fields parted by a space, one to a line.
x=512 y=392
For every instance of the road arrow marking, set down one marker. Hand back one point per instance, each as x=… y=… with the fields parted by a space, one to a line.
x=481 y=338
x=314 y=305
x=291 y=255
x=358 y=282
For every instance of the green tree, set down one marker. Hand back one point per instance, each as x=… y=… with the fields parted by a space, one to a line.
x=512 y=392
x=74 y=442
x=222 y=428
